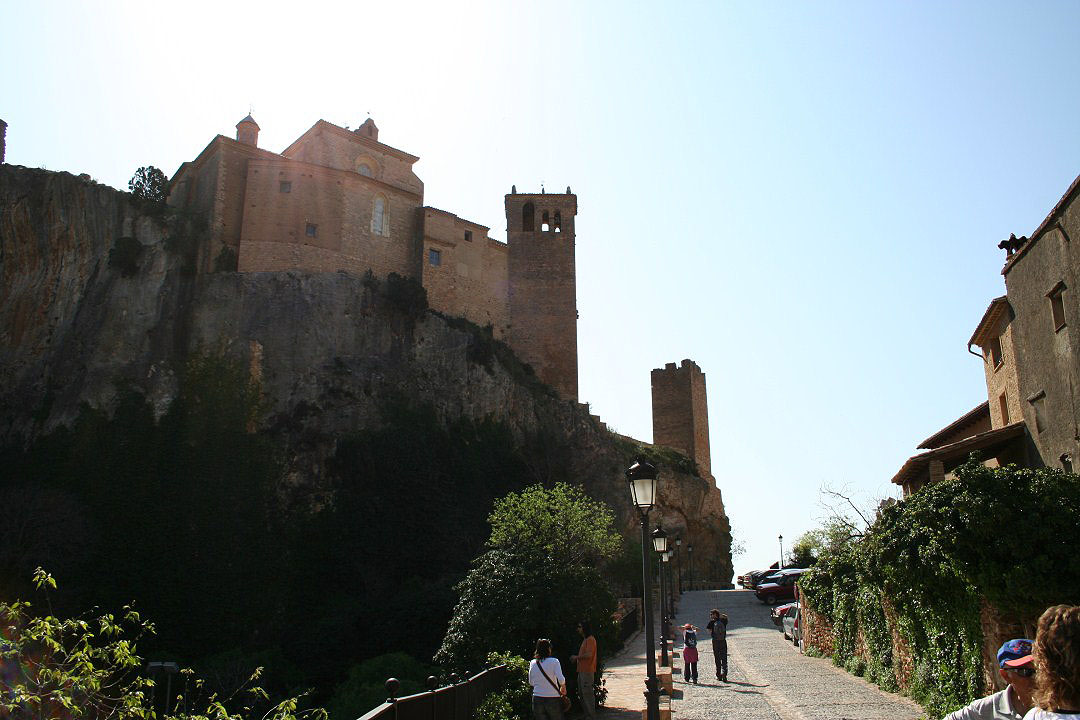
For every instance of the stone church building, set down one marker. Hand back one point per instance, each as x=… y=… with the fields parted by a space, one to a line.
x=339 y=199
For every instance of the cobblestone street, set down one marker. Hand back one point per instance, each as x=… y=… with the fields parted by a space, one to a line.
x=768 y=678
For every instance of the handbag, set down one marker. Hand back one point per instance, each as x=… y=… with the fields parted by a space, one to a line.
x=565 y=700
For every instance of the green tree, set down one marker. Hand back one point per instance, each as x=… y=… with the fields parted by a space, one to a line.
x=150 y=184
x=539 y=577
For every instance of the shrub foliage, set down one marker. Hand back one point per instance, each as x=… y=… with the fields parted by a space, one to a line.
x=1001 y=535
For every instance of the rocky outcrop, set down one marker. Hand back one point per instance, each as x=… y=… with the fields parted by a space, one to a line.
x=98 y=292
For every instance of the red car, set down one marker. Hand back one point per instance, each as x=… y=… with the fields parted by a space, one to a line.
x=783 y=587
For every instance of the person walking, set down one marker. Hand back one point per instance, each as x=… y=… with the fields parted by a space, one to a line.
x=1057 y=656
x=690 y=654
x=717 y=628
x=1015 y=668
x=586 y=668
x=548 y=683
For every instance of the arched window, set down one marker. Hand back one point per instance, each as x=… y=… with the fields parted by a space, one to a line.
x=380 y=217
x=364 y=169
x=545 y=221
x=366 y=165
x=558 y=221
x=527 y=215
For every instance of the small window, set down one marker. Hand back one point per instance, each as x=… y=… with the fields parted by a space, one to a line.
x=434 y=257
x=379 y=221
x=995 y=352
x=1057 y=305
x=285 y=186
x=1004 y=402
x=1066 y=462
x=527 y=217
x=312 y=230
x=364 y=169
x=468 y=236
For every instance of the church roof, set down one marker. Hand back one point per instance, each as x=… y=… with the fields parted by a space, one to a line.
x=249 y=119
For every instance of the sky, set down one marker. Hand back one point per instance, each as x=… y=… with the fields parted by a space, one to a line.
x=805 y=198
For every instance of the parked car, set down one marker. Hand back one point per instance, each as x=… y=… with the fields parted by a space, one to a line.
x=766 y=576
x=793 y=628
x=780 y=611
x=781 y=588
x=751 y=578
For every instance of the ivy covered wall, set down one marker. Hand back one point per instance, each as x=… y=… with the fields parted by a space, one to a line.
x=921 y=603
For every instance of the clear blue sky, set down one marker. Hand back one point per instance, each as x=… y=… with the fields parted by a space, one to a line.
x=805 y=198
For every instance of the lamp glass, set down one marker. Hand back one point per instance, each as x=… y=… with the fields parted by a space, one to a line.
x=642 y=478
x=659 y=540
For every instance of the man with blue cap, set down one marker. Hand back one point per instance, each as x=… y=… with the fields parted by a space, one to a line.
x=1016 y=668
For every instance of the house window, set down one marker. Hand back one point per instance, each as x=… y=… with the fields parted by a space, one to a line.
x=312 y=230
x=468 y=236
x=1057 y=305
x=380 y=222
x=1004 y=402
x=285 y=186
x=434 y=257
x=995 y=352
x=1038 y=406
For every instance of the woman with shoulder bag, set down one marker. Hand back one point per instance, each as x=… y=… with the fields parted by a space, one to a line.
x=549 y=698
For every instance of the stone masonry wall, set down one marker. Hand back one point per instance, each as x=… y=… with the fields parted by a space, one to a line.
x=339 y=205
x=680 y=411
x=471 y=277
x=331 y=146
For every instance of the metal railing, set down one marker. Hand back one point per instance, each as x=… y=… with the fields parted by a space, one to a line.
x=456 y=701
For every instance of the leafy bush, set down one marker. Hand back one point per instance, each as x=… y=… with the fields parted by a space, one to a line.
x=538 y=579
x=514 y=700
x=89 y=668
x=149 y=184
x=934 y=558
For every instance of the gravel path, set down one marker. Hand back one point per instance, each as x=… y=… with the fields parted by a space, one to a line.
x=768 y=679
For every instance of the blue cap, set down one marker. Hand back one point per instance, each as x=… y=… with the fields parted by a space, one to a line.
x=1015 y=653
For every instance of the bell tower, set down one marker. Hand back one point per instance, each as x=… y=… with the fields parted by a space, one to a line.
x=543 y=285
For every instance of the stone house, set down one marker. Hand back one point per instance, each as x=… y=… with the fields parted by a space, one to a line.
x=1028 y=341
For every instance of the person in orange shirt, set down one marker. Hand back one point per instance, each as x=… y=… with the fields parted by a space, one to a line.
x=586 y=668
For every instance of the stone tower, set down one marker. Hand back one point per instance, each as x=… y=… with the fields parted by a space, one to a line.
x=542 y=286
x=247 y=131
x=681 y=412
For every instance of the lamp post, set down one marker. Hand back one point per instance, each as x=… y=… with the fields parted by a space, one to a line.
x=660 y=543
x=671 y=588
x=690 y=559
x=678 y=559
x=641 y=476
x=781 y=538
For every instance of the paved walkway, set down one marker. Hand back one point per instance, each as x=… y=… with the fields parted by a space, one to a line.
x=768 y=679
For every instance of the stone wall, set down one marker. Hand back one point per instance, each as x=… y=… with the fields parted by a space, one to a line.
x=328 y=145
x=470 y=279
x=306 y=217
x=680 y=411
x=1047 y=355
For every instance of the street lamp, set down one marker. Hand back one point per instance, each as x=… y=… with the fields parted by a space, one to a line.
x=671 y=591
x=690 y=559
x=781 y=538
x=678 y=559
x=641 y=477
x=660 y=545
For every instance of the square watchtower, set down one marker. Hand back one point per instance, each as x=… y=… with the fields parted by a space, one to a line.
x=681 y=412
x=542 y=285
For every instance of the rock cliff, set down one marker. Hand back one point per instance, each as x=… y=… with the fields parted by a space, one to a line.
x=98 y=293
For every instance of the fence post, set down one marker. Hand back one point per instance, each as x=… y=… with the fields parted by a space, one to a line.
x=432 y=685
x=392 y=686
